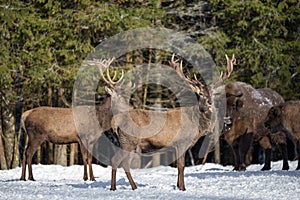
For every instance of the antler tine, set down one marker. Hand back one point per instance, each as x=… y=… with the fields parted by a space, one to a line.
x=229 y=68
x=106 y=64
x=179 y=70
x=111 y=80
x=174 y=62
x=101 y=72
x=228 y=72
x=196 y=80
x=233 y=59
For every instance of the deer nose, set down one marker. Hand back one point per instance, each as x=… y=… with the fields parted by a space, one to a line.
x=267 y=125
x=202 y=109
x=228 y=120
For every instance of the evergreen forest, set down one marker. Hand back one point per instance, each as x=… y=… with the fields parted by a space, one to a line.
x=43 y=43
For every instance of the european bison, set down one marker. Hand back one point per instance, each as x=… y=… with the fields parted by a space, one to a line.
x=285 y=118
x=246 y=109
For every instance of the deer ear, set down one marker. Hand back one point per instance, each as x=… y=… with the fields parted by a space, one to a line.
x=109 y=91
x=195 y=89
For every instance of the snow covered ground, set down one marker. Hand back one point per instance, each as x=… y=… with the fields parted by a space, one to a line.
x=210 y=181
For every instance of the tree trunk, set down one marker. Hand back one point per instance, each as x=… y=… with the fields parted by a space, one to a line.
x=217 y=150
x=157 y=104
x=38 y=155
x=61 y=155
x=50 y=153
x=8 y=132
x=16 y=154
x=3 y=164
x=73 y=154
x=156 y=160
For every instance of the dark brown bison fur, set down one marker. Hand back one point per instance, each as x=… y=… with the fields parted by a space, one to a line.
x=284 y=118
x=245 y=111
x=57 y=125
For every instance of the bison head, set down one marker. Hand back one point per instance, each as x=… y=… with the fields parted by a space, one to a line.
x=273 y=119
x=232 y=107
x=234 y=102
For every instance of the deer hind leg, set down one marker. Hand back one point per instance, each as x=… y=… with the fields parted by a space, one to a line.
x=126 y=166
x=132 y=183
x=180 y=166
x=124 y=158
x=28 y=155
x=23 y=167
x=24 y=161
x=90 y=159
x=298 y=152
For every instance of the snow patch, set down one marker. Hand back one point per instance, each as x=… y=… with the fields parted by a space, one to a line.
x=209 y=181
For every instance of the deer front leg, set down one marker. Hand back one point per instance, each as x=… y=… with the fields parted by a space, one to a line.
x=90 y=159
x=84 y=154
x=115 y=162
x=113 y=179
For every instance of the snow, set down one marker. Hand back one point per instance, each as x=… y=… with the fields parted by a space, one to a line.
x=209 y=181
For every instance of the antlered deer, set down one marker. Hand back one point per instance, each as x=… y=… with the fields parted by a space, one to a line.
x=178 y=128
x=57 y=125
x=285 y=118
x=245 y=111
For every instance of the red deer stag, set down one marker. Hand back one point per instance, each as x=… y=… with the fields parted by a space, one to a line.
x=57 y=125
x=246 y=109
x=285 y=118
x=178 y=128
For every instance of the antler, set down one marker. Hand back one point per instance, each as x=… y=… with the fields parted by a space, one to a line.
x=178 y=68
x=106 y=64
x=229 y=68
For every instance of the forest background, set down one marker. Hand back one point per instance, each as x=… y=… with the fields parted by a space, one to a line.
x=43 y=43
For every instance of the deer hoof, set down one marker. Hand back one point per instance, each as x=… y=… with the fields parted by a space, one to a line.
x=113 y=189
x=265 y=168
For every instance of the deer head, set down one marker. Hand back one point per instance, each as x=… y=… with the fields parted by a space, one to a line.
x=203 y=91
x=115 y=88
x=199 y=88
